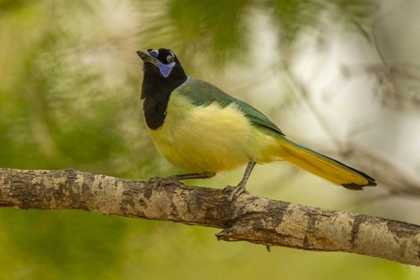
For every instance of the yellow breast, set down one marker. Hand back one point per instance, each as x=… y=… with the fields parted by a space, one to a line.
x=209 y=138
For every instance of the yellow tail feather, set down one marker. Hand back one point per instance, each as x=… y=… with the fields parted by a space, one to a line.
x=324 y=167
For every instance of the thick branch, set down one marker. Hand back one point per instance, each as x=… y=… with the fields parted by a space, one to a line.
x=249 y=218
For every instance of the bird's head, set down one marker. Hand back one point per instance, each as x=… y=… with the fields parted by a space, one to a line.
x=162 y=71
x=161 y=62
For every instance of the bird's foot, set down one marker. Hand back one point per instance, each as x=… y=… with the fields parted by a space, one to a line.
x=164 y=181
x=235 y=192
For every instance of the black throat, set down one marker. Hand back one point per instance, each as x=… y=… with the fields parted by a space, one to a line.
x=156 y=91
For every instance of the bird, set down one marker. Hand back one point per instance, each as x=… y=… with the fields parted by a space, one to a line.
x=202 y=130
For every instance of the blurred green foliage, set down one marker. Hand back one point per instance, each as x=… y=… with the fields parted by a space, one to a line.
x=69 y=98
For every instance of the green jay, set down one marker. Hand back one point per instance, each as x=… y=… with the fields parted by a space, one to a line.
x=202 y=130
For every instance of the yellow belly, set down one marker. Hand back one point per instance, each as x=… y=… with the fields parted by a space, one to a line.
x=210 y=139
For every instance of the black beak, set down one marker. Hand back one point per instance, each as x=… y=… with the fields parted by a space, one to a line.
x=147 y=58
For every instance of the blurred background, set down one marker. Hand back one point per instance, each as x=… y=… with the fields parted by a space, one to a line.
x=339 y=76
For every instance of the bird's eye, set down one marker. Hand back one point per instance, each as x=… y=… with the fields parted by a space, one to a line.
x=170 y=59
x=154 y=53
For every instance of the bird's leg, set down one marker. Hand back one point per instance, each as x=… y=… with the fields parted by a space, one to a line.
x=162 y=181
x=241 y=187
x=193 y=176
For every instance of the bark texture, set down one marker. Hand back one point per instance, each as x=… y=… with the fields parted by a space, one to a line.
x=249 y=218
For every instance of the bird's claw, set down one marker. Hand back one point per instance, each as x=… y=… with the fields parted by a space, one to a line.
x=235 y=192
x=163 y=181
x=154 y=178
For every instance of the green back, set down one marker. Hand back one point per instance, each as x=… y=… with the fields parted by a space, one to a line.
x=203 y=94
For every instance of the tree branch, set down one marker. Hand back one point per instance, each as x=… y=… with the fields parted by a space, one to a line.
x=249 y=218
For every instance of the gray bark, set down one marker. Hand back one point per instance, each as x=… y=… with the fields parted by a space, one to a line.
x=248 y=218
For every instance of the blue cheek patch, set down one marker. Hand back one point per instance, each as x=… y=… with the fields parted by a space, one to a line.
x=165 y=69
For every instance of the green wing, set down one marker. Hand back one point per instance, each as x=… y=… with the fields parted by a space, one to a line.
x=203 y=94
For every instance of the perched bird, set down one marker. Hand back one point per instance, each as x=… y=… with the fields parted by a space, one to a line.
x=202 y=130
